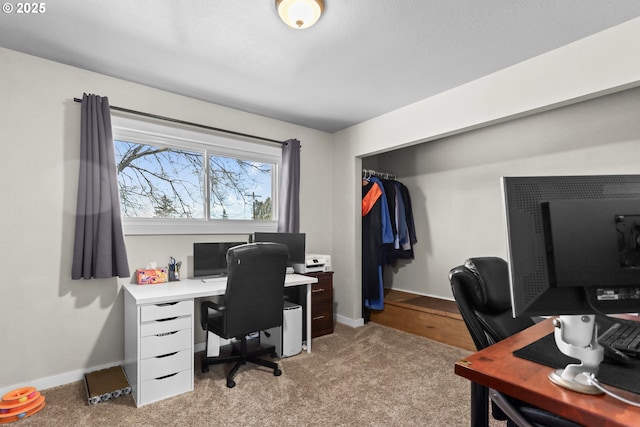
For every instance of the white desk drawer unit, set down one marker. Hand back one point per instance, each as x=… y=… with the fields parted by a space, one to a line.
x=165 y=343
x=158 y=334
x=163 y=326
x=166 y=311
x=163 y=362
x=158 y=389
x=163 y=366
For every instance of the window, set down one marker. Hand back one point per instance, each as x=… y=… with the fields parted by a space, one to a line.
x=175 y=180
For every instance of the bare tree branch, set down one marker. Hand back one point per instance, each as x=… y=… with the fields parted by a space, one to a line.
x=168 y=182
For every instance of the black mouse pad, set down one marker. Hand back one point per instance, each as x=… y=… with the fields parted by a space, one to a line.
x=545 y=352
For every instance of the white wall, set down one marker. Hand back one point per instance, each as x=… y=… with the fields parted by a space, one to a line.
x=53 y=328
x=601 y=64
x=455 y=182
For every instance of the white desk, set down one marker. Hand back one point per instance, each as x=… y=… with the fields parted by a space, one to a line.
x=159 y=333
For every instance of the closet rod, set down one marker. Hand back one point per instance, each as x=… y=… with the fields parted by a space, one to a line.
x=182 y=122
x=367 y=173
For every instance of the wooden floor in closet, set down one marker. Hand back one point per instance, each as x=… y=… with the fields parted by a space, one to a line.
x=433 y=318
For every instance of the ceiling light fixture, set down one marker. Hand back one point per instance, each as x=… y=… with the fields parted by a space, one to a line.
x=300 y=14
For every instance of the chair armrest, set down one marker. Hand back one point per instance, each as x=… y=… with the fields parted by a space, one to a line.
x=215 y=305
x=204 y=310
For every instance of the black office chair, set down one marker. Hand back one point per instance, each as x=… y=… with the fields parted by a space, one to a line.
x=481 y=290
x=253 y=302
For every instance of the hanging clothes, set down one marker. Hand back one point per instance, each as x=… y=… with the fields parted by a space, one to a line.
x=399 y=203
x=388 y=234
x=376 y=231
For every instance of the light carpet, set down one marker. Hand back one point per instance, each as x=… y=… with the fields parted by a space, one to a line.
x=367 y=376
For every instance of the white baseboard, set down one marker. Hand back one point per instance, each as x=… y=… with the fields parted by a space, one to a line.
x=56 y=380
x=354 y=323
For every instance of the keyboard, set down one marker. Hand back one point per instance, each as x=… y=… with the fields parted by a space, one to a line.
x=622 y=337
x=210 y=279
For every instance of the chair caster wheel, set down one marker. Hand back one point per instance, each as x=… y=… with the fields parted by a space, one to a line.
x=204 y=369
x=231 y=383
x=277 y=372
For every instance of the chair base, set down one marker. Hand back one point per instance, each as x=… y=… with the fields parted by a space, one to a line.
x=241 y=356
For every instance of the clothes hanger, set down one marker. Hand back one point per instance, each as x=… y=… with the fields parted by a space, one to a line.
x=366 y=174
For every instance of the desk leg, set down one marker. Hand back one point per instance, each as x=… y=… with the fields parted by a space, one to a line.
x=308 y=318
x=479 y=405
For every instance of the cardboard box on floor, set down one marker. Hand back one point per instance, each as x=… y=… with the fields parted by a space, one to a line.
x=106 y=384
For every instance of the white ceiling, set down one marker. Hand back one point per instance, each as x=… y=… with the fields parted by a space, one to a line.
x=362 y=59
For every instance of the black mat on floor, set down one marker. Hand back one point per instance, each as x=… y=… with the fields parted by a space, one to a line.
x=545 y=352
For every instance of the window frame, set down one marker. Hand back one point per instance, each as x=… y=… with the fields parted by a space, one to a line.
x=182 y=137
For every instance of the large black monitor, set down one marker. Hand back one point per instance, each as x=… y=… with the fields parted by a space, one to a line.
x=574 y=251
x=294 y=241
x=210 y=258
x=573 y=243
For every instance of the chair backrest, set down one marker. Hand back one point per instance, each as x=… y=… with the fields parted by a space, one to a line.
x=481 y=290
x=254 y=298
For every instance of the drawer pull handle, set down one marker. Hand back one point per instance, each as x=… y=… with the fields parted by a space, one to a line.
x=164 y=334
x=318 y=317
x=166 y=376
x=318 y=290
x=167 y=319
x=167 y=303
x=167 y=355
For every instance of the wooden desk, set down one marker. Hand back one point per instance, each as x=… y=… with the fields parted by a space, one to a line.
x=496 y=367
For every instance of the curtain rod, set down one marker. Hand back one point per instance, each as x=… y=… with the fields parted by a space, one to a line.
x=182 y=122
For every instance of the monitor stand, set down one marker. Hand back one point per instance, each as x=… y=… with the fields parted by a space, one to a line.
x=577 y=337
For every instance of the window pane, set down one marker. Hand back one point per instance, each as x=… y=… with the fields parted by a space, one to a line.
x=240 y=189
x=157 y=182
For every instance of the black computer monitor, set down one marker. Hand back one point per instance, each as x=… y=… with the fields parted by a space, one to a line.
x=210 y=258
x=574 y=251
x=573 y=243
x=294 y=241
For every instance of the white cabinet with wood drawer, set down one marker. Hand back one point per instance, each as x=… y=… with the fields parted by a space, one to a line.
x=158 y=349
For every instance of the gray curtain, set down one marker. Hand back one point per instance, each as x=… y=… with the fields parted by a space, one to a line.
x=289 y=192
x=98 y=248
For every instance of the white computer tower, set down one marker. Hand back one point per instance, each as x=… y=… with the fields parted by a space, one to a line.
x=288 y=338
